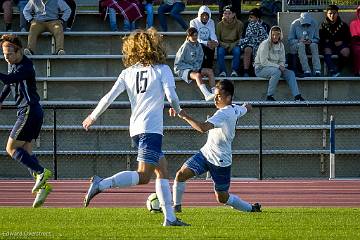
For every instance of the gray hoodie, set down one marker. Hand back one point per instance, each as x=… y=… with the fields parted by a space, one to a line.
x=304 y=27
x=270 y=54
x=48 y=11
x=188 y=58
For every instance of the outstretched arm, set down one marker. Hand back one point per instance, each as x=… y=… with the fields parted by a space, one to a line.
x=197 y=125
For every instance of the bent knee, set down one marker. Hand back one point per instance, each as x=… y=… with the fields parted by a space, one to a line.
x=222 y=199
x=180 y=176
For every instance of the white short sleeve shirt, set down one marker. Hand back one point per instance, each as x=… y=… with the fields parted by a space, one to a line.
x=217 y=149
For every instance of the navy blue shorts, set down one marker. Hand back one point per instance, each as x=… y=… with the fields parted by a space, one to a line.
x=149 y=147
x=28 y=124
x=220 y=175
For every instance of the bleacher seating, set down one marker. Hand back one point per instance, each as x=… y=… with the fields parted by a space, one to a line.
x=295 y=138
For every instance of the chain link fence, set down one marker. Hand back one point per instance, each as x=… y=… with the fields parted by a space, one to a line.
x=272 y=141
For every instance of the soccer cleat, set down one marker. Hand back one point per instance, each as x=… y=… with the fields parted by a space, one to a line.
x=42 y=195
x=93 y=190
x=210 y=97
x=222 y=74
x=256 y=207
x=41 y=179
x=177 y=208
x=177 y=222
x=234 y=74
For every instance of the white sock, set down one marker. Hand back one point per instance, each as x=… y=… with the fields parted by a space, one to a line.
x=204 y=90
x=120 y=180
x=164 y=195
x=239 y=204
x=178 y=192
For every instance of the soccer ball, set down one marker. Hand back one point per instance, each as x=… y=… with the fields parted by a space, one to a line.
x=153 y=204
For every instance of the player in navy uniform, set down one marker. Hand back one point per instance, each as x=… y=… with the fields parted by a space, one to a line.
x=21 y=81
x=147 y=80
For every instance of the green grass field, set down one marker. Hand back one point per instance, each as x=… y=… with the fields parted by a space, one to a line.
x=207 y=223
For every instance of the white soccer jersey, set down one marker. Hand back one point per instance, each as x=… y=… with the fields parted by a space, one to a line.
x=145 y=88
x=217 y=149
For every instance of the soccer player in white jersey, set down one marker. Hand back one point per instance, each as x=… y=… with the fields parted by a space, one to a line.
x=216 y=155
x=147 y=80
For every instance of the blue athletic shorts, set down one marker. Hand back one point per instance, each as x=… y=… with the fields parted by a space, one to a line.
x=220 y=175
x=149 y=147
x=28 y=124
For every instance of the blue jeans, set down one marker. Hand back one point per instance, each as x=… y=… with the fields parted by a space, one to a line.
x=149 y=15
x=221 y=52
x=274 y=74
x=112 y=19
x=21 y=6
x=129 y=26
x=174 y=11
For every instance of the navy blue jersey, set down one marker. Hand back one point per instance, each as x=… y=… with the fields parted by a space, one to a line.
x=21 y=78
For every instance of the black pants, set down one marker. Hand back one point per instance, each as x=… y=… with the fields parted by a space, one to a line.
x=209 y=54
x=71 y=19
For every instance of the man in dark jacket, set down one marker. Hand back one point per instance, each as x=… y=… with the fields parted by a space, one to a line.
x=334 y=39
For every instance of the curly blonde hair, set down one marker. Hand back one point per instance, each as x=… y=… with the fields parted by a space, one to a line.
x=145 y=47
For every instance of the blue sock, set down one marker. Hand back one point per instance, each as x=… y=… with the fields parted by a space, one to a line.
x=31 y=162
x=33 y=157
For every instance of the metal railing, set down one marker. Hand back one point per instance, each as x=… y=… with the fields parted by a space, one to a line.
x=305 y=5
x=262 y=125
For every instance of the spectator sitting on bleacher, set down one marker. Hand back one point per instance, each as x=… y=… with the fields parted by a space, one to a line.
x=174 y=7
x=335 y=39
x=46 y=17
x=270 y=64
x=206 y=35
x=255 y=31
x=70 y=21
x=131 y=10
x=188 y=63
x=6 y=8
x=304 y=33
x=355 y=41
x=229 y=32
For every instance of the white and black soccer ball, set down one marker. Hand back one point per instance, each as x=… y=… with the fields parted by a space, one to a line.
x=153 y=204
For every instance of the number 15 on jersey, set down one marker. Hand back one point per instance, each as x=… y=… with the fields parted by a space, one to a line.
x=141 y=81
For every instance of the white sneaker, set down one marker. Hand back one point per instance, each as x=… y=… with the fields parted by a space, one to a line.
x=222 y=74
x=61 y=52
x=27 y=51
x=42 y=195
x=210 y=97
x=234 y=74
x=23 y=30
